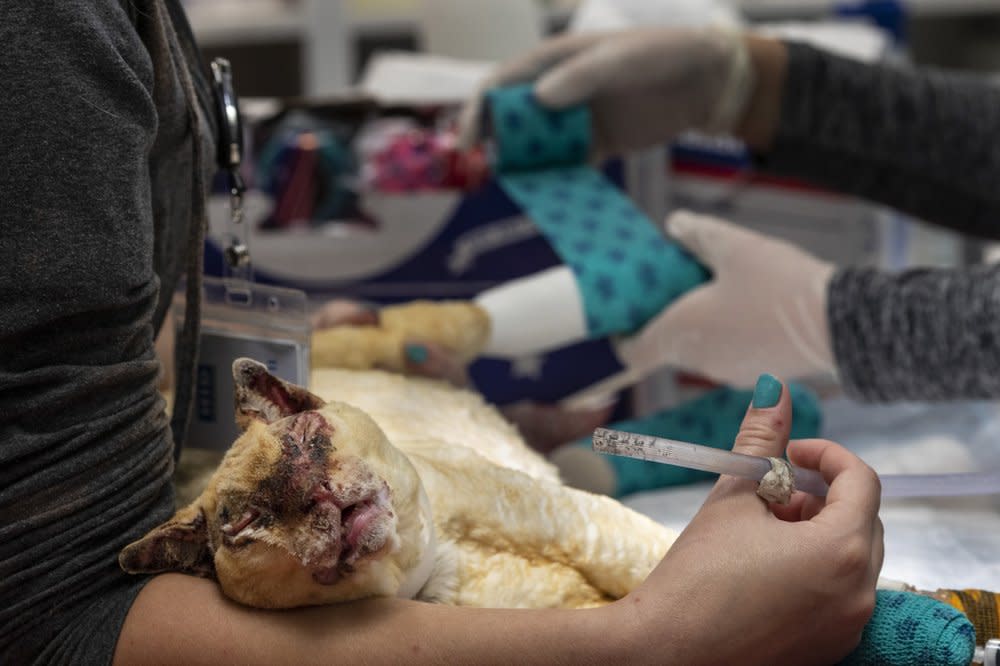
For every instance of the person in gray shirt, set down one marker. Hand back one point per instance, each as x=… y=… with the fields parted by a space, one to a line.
x=108 y=141
x=918 y=139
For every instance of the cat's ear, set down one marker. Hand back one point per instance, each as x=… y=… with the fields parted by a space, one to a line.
x=180 y=544
x=260 y=396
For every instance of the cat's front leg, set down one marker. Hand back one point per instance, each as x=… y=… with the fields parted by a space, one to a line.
x=613 y=546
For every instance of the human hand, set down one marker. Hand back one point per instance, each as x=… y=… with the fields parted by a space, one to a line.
x=764 y=308
x=646 y=86
x=767 y=583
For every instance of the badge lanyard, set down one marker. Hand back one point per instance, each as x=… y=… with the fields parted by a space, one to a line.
x=229 y=157
x=240 y=318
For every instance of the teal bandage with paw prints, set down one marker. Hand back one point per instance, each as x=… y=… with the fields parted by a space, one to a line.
x=908 y=628
x=626 y=270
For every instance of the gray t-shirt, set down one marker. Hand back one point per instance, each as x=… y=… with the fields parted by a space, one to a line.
x=99 y=211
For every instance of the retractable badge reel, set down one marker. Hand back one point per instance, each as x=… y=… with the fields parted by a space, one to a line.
x=240 y=318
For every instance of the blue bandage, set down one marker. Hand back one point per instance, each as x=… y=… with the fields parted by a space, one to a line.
x=625 y=269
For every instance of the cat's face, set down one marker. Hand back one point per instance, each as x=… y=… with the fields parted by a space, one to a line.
x=311 y=505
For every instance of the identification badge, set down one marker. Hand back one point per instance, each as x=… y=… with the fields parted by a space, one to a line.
x=240 y=319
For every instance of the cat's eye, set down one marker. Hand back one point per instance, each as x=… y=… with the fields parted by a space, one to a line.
x=233 y=529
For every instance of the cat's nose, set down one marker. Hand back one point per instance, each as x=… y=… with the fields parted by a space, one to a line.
x=329 y=494
x=322 y=492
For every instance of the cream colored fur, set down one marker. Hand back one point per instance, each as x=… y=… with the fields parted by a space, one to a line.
x=506 y=532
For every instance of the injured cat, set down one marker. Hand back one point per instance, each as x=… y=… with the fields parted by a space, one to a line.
x=379 y=484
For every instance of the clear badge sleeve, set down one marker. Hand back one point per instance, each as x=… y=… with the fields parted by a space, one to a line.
x=241 y=319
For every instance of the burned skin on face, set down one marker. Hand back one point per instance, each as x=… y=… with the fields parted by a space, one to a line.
x=299 y=511
x=326 y=511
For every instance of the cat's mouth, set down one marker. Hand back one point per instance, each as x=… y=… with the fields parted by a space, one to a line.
x=362 y=531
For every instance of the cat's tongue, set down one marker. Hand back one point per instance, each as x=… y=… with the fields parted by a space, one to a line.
x=359 y=523
x=346 y=543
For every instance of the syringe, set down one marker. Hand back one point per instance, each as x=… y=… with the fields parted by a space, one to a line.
x=719 y=461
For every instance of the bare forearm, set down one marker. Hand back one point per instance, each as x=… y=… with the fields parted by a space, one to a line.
x=181 y=619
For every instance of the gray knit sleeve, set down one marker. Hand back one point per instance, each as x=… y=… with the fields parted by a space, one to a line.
x=929 y=334
x=921 y=140
x=924 y=142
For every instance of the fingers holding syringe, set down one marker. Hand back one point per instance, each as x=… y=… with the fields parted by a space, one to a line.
x=855 y=491
x=854 y=488
x=850 y=509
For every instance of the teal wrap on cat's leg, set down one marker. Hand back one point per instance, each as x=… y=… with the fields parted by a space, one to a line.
x=909 y=628
x=713 y=420
x=626 y=270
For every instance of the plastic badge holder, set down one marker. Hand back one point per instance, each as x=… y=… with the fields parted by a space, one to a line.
x=265 y=323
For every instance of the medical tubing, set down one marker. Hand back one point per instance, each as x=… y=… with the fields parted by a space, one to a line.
x=720 y=461
x=940 y=485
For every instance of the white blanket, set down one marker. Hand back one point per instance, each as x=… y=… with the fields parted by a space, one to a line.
x=930 y=543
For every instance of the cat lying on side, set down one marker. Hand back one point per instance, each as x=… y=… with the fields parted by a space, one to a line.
x=381 y=484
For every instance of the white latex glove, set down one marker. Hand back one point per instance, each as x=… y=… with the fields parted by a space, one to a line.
x=764 y=309
x=644 y=86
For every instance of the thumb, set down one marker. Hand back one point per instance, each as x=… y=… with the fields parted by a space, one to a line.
x=710 y=239
x=768 y=421
x=764 y=432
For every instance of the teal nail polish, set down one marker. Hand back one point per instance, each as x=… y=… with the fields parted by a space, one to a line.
x=767 y=392
x=416 y=353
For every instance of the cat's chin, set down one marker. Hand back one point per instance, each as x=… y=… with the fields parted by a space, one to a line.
x=337 y=573
x=367 y=532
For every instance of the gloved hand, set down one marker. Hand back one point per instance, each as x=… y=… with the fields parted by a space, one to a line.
x=763 y=310
x=644 y=86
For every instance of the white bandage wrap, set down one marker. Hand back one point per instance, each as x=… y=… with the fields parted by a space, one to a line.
x=534 y=314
